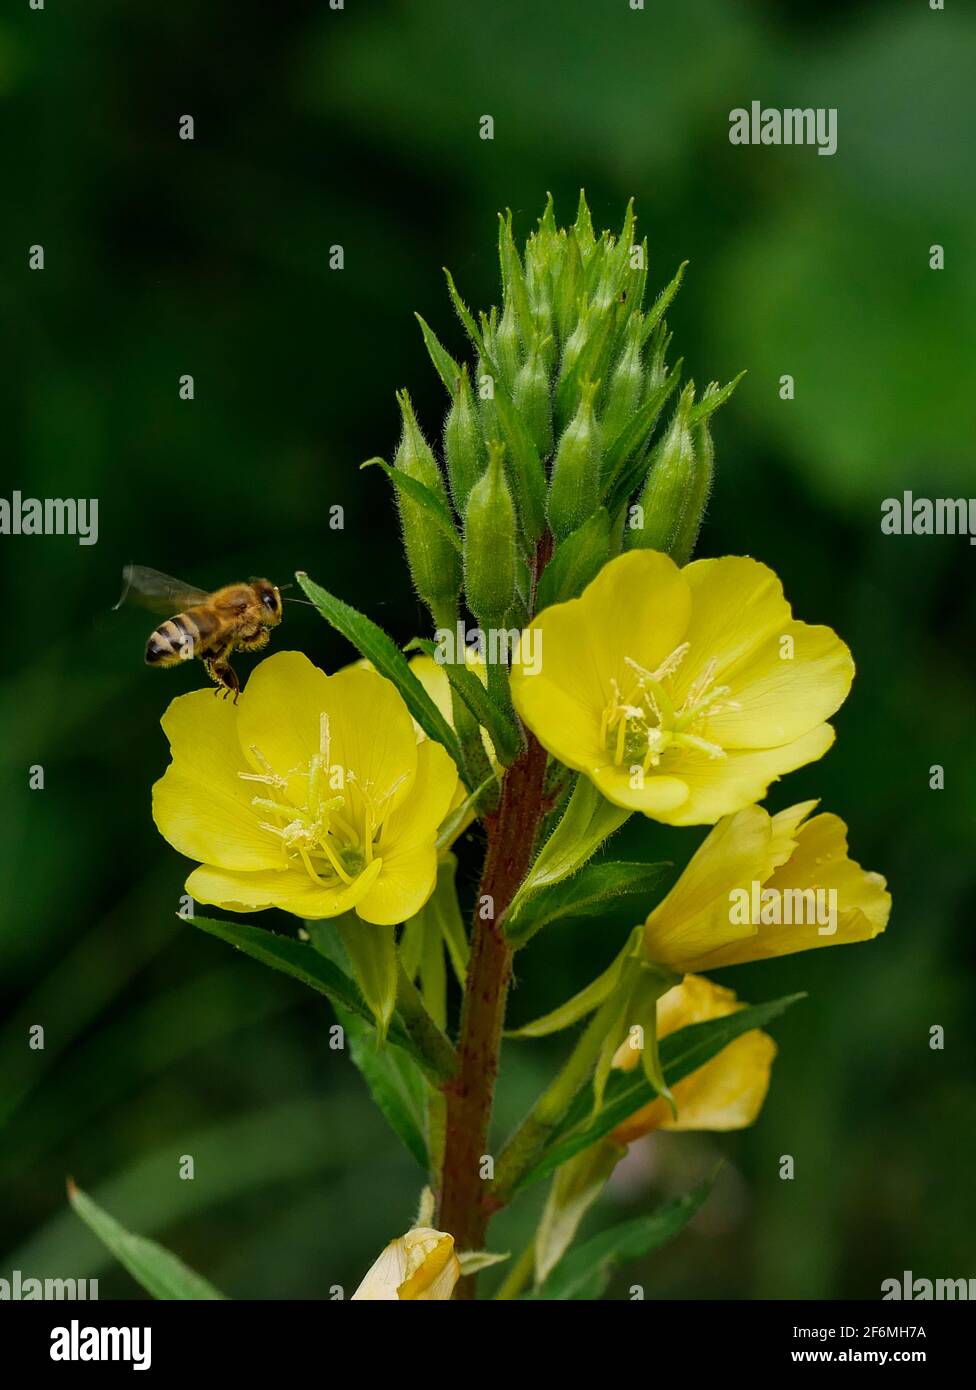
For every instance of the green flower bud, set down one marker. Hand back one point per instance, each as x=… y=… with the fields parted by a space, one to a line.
x=533 y=401
x=584 y=229
x=574 y=490
x=687 y=533
x=570 y=287
x=490 y=543
x=672 y=486
x=513 y=277
x=464 y=446
x=434 y=563
x=508 y=347
x=626 y=383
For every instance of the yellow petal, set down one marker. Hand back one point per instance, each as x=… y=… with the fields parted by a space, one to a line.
x=420 y=1265
x=372 y=732
x=694 y=919
x=737 y=603
x=780 y=698
x=728 y=1091
x=820 y=860
x=201 y=805
x=407 y=843
x=292 y=889
x=636 y=607
x=658 y=795
x=720 y=786
x=279 y=713
x=433 y=678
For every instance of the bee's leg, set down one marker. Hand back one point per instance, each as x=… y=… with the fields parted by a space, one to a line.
x=254 y=643
x=225 y=673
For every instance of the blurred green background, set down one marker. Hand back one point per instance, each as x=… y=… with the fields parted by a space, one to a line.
x=359 y=127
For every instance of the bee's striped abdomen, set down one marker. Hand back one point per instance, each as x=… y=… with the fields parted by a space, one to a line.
x=181 y=638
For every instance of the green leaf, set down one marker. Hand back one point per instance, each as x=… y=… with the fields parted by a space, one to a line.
x=585 y=894
x=379 y=648
x=454 y=820
x=585 y=1272
x=577 y=560
x=434 y=506
x=302 y=962
x=712 y=397
x=621 y=479
x=447 y=369
x=160 y=1272
x=445 y=911
x=573 y=1191
x=581 y=1004
x=471 y=328
x=502 y=732
x=681 y=1053
x=372 y=954
x=525 y=466
x=587 y=821
x=395 y=1082
x=660 y=306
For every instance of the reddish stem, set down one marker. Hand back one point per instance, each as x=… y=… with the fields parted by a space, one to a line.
x=465 y=1209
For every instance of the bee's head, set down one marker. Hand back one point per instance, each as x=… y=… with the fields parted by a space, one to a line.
x=269 y=601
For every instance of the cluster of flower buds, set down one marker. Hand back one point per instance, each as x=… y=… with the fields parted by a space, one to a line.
x=549 y=434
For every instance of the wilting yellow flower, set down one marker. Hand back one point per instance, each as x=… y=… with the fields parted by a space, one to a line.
x=420 y=1265
x=682 y=693
x=727 y=1092
x=762 y=886
x=312 y=794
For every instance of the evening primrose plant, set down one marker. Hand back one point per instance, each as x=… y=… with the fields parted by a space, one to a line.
x=580 y=669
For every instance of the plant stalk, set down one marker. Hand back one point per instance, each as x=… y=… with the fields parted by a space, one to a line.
x=512 y=829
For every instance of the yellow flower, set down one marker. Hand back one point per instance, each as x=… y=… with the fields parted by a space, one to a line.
x=312 y=795
x=682 y=693
x=420 y=1265
x=761 y=886
x=727 y=1092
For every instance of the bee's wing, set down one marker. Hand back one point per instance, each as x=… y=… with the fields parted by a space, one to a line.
x=160 y=593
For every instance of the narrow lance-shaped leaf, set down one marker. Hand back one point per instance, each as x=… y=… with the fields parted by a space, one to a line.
x=372 y=953
x=623 y=461
x=681 y=1053
x=161 y=1273
x=379 y=648
x=395 y=1082
x=302 y=962
x=713 y=397
x=585 y=1272
x=455 y=820
x=447 y=369
x=464 y=314
x=433 y=505
x=587 y=821
x=501 y=730
x=583 y=1003
x=660 y=306
x=590 y=891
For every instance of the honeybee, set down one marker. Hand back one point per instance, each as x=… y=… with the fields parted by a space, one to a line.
x=211 y=626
